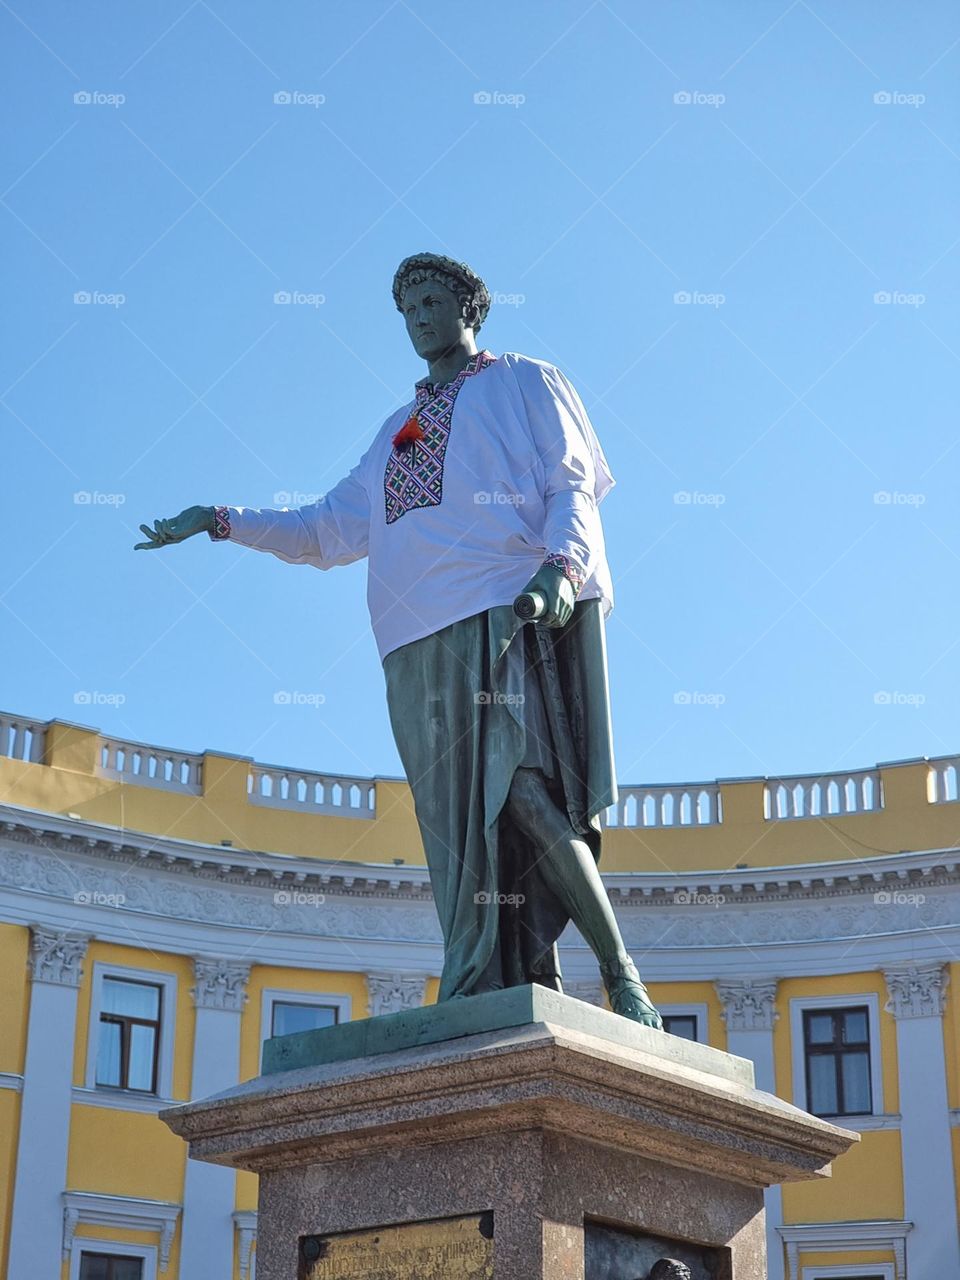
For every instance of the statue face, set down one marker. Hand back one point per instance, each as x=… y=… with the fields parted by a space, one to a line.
x=432 y=315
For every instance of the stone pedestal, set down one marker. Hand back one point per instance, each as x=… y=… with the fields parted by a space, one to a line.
x=521 y=1134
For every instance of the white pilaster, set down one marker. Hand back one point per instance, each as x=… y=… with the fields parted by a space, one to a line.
x=391 y=992
x=930 y=1200
x=750 y=1014
x=206 y=1247
x=37 y=1223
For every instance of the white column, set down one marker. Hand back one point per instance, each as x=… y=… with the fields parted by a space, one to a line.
x=750 y=1015
x=36 y=1229
x=209 y=1191
x=392 y=992
x=929 y=1191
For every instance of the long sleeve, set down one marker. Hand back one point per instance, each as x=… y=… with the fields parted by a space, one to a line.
x=576 y=475
x=330 y=532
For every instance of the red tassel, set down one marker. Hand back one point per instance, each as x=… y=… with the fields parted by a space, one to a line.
x=410 y=431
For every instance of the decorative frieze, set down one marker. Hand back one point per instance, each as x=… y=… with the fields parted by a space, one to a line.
x=748 y=1003
x=916 y=990
x=391 y=992
x=56 y=956
x=221 y=984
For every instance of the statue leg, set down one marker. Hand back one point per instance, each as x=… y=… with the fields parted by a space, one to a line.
x=568 y=867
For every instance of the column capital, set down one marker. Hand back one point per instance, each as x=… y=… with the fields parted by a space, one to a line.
x=56 y=955
x=916 y=990
x=748 y=1003
x=392 y=992
x=220 y=984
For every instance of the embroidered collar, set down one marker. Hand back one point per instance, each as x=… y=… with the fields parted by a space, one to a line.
x=426 y=390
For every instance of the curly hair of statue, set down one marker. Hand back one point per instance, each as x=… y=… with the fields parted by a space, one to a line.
x=471 y=292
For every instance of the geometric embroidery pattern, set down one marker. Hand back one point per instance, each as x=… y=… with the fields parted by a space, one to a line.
x=413 y=477
x=221 y=524
x=569 y=568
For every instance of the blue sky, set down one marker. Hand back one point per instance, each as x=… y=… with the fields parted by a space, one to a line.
x=783 y=166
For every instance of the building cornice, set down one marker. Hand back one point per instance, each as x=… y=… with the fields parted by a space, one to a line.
x=894 y=873
x=84 y=878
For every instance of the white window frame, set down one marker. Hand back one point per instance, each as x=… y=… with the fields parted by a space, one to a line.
x=168 y=1019
x=799 y=1005
x=849 y=1272
x=272 y=995
x=86 y=1244
x=699 y=1011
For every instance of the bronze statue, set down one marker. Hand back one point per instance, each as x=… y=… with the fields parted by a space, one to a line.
x=479 y=495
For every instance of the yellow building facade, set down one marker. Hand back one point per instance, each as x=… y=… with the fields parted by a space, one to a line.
x=164 y=912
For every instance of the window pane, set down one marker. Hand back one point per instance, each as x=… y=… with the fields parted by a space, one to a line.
x=855 y=1073
x=680 y=1025
x=127 y=1269
x=288 y=1017
x=855 y=1026
x=823 y=1084
x=820 y=1028
x=140 y=1073
x=93 y=1266
x=108 y=1055
x=133 y=999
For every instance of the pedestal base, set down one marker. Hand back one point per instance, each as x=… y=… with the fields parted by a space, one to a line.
x=577 y=1146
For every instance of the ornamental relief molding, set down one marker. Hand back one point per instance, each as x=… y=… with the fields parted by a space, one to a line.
x=916 y=990
x=134 y=887
x=250 y=908
x=220 y=984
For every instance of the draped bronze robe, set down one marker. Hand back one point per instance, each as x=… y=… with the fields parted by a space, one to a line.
x=457 y=711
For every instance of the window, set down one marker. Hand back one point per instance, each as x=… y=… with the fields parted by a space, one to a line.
x=291 y=1015
x=283 y=1012
x=686 y=1021
x=110 y=1266
x=836 y=1045
x=683 y=1025
x=130 y=1039
x=129 y=1036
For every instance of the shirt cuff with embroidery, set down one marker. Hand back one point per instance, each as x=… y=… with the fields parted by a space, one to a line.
x=221 y=524
x=570 y=569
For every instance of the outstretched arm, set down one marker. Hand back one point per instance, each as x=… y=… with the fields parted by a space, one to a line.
x=326 y=533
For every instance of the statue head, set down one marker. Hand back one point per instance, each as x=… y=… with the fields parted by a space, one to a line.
x=669 y=1269
x=442 y=302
